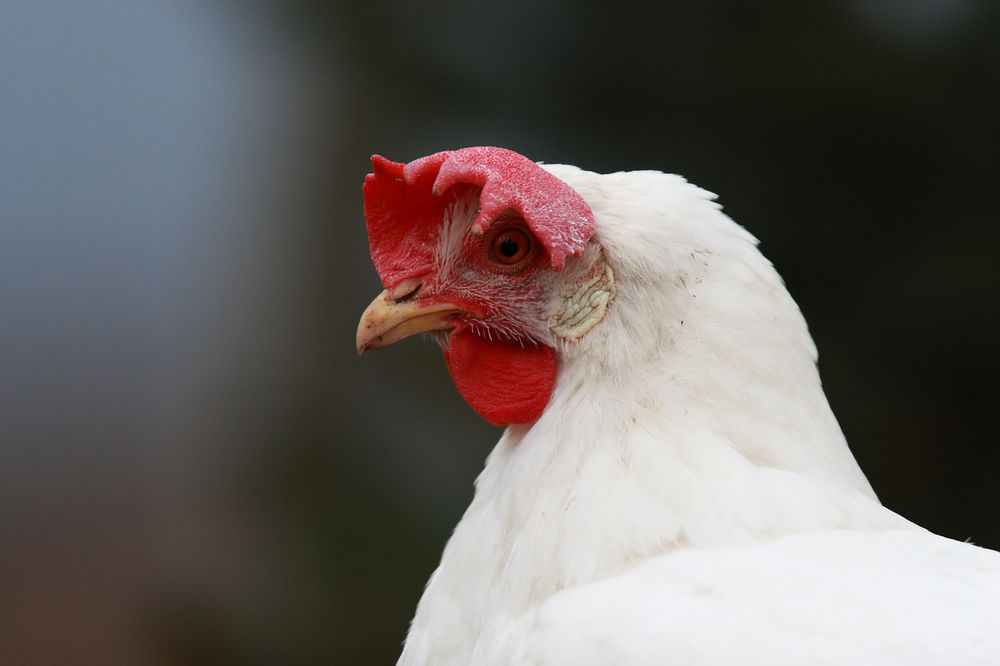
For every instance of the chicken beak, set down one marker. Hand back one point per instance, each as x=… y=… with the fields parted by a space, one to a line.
x=389 y=320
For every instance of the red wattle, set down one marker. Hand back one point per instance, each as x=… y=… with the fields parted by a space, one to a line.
x=503 y=381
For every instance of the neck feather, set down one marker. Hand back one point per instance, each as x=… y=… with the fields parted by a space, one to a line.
x=691 y=416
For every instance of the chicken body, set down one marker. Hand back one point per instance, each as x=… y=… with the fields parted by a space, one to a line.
x=686 y=494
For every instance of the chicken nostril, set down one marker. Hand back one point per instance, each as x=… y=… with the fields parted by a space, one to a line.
x=405 y=290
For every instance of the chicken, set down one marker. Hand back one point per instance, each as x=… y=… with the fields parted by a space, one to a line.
x=672 y=486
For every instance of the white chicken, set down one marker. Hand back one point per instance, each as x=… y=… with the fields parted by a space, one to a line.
x=672 y=486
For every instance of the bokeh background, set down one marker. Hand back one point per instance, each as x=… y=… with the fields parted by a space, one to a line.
x=194 y=466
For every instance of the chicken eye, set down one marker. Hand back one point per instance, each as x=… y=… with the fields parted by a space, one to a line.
x=510 y=246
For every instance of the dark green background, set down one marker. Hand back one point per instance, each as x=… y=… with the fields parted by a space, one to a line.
x=196 y=469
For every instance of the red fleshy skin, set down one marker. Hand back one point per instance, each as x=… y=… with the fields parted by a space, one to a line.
x=503 y=381
x=403 y=221
x=404 y=206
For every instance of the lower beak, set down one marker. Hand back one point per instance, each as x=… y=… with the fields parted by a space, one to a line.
x=386 y=320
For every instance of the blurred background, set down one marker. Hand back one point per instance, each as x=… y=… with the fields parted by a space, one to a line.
x=194 y=466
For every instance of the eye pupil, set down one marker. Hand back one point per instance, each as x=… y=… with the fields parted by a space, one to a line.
x=509 y=247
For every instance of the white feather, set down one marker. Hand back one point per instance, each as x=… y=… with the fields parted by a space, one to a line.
x=687 y=496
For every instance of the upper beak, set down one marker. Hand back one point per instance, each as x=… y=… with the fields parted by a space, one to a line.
x=388 y=320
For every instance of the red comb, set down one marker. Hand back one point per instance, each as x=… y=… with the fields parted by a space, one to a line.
x=404 y=206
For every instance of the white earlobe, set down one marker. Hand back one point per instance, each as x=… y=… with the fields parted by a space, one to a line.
x=584 y=303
